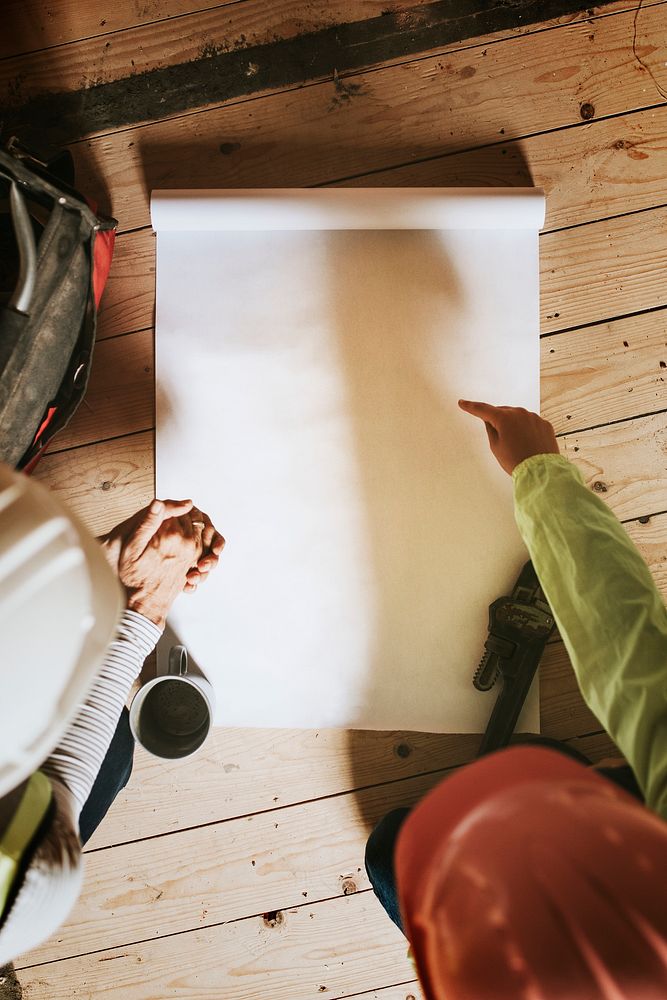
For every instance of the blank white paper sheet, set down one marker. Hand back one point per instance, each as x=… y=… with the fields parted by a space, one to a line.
x=311 y=346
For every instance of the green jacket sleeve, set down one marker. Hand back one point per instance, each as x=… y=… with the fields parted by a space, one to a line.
x=608 y=609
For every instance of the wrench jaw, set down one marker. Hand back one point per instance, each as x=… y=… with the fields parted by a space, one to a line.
x=499 y=648
x=487 y=672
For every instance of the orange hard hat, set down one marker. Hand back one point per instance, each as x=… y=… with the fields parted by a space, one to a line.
x=527 y=876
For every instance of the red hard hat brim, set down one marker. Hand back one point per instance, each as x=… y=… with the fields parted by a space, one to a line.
x=433 y=821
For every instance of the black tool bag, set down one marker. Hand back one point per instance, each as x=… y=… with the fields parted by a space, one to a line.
x=55 y=254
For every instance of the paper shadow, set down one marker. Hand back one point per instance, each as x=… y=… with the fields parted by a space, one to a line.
x=165 y=414
x=389 y=305
x=291 y=163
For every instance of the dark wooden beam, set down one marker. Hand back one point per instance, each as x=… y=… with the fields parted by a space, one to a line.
x=221 y=76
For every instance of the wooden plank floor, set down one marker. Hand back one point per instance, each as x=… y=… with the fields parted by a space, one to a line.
x=239 y=874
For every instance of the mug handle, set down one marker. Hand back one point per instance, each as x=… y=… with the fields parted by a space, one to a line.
x=178 y=661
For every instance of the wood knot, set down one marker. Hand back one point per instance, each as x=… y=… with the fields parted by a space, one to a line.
x=107 y=485
x=599 y=487
x=403 y=750
x=349 y=886
x=644 y=520
x=621 y=144
x=587 y=111
x=274 y=918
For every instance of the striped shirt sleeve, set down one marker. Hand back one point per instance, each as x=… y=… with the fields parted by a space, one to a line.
x=76 y=761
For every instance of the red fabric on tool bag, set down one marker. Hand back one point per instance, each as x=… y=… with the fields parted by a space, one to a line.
x=103 y=247
x=102 y=256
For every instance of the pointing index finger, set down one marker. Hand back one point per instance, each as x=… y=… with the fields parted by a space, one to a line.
x=485 y=411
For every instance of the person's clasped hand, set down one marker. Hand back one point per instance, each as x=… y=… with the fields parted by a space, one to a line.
x=514 y=433
x=167 y=547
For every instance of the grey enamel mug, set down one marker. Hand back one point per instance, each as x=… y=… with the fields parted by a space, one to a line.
x=171 y=715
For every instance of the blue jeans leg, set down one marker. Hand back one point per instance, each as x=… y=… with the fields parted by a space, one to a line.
x=380 y=861
x=113 y=776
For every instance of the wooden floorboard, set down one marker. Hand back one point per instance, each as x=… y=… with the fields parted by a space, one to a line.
x=309 y=852
x=435 y=106
x=221 y=72
x=173 y=904
x=593 y=170
x=589 y=372
x=34 y=25
x=272 y=861
x=624 y=463
x=345 y=944
x=180 y=35
x=604 y=269
x=103 y=483
x=120 y=395
x=650 y=537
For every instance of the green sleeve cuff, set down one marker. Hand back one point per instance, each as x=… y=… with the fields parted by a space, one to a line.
x=536 y=467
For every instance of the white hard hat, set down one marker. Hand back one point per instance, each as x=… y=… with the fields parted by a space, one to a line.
x=60 y=603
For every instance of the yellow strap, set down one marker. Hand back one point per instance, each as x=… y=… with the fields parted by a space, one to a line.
x=31 y=811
